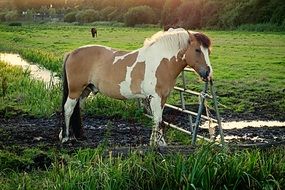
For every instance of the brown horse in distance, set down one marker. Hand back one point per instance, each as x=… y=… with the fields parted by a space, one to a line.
x=94 y=32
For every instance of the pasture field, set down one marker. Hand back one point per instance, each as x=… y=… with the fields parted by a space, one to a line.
x=249 y=76
x=248 y=66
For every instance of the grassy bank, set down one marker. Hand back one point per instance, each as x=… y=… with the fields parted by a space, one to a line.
x=247 y=65
x=207 y=168
x=20 y=95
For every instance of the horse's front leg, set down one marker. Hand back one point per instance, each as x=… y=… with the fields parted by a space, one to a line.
x=157 y=132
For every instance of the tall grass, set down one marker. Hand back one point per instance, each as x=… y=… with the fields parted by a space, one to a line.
x=22 y=95
x=207 y=168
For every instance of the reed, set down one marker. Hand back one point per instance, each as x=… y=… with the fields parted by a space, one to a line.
x=207 y=168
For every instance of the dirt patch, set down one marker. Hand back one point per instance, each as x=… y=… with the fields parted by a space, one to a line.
x=25 y=132
x=31 y=132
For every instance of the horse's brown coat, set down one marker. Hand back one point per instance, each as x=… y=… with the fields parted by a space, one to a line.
x=97 y=66
x=137 y=76
x=166 y=75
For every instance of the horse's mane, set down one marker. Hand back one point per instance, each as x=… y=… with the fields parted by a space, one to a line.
x=178 y=36
x=203 y=39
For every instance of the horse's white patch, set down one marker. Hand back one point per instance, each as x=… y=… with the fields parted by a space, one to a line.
x=121 y=57
x=205 y=52
x=125 y=86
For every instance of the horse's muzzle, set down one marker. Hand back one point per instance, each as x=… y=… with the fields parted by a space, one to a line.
x=205 y=75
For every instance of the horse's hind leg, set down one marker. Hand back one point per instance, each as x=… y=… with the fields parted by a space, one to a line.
x=68 y=110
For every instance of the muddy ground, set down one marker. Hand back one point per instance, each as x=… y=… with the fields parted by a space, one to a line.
x=27 y=132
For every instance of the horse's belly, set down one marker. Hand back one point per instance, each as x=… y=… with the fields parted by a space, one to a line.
x=112 y=91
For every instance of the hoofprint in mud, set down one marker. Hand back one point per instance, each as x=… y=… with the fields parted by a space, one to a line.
x=25 y=132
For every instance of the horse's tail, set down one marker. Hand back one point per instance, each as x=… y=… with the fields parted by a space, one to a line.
x=75 y=120
x=64 y=84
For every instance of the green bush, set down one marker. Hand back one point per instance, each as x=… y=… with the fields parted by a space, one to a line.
x=15 y=24
x=70 y=17
x=140 y=15
x=106 y=12
x=11 y=15
x=190 y=14
x=89 y=15
x=2 y=16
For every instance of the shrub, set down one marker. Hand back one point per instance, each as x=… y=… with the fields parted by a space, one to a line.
x=116 y=15
x=190 y=14
x=11 y=15
x=70 y=17
x=140 y=15
x=15 y=24
x=2 y=16
x=89 y=15
x=106 y=12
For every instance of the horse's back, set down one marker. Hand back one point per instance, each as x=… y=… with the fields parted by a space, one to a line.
x=85 y=62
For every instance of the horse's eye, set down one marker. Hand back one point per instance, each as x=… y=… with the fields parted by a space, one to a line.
x=198 y=50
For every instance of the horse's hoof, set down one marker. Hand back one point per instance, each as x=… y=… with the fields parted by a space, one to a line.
x=162 y=144
x=60 y=135
x=65 y=139
x=158 y=144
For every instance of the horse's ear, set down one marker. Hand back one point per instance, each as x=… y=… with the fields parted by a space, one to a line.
x=203 y=39
x=191 y=38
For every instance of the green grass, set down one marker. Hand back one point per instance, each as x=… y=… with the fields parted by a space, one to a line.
x=207 y=168
x=248 y=74
x=20 y=94
x=248 y=66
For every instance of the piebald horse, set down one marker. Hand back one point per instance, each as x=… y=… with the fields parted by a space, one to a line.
x=148 y=72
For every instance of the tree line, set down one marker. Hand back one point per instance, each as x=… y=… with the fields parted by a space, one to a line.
x=184 y=13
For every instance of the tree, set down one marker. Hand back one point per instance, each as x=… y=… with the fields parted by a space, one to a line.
x=89 y=15
x=70 y=17
x=168 y=16
x=140 y=15
x=11 y=15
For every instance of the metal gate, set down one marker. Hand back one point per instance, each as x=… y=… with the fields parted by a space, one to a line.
x=194 y=124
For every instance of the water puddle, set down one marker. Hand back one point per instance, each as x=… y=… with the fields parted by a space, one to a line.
x=244 y=137
x=36 y=72
x=244 y=124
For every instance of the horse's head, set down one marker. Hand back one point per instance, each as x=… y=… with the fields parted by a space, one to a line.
x=197 y=55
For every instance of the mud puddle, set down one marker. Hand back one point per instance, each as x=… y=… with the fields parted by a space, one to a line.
x=32 y=132
x=25 y=132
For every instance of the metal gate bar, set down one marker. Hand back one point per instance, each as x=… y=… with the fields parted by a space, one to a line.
x=203 y=96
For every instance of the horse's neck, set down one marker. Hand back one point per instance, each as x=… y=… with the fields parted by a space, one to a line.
x=171 y=56
x=176 y=66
